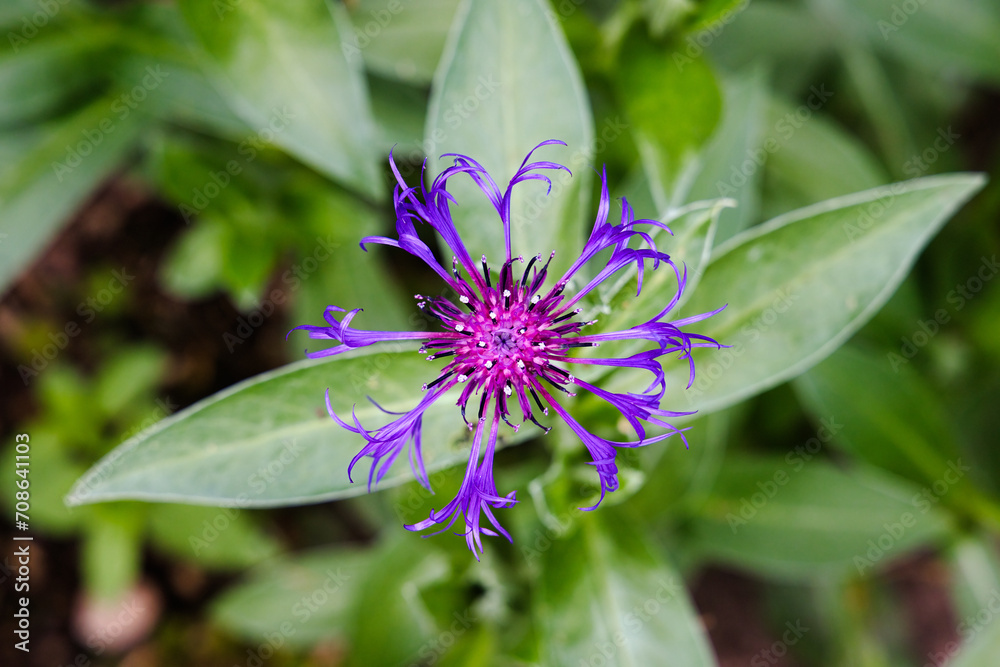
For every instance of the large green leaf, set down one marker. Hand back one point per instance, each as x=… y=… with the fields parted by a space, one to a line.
x=268 y=440
x=283 y=70
x=507 y=82
x=345 y=595
x=797 y=516
x=604 y=598
x=798 y=286
x=54 y=173
x=893 y=419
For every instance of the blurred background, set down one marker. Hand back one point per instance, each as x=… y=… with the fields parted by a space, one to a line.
x=158 y=239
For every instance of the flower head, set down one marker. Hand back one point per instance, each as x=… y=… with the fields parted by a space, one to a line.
x=507 y=335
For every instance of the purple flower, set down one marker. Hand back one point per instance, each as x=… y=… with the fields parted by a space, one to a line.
x=508 y=341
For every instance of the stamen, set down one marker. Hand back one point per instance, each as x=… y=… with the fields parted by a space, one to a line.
x=538 y=401
x=439 y=380
x=486 y=274
x=524 y=276
x=535 y=422
x=566 y=316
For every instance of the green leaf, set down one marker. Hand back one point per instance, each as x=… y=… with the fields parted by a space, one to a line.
x=283 y=70
x=892 y=418
x=51 y=73
x=795 y=177
x=348 y=595
x=875 y=88
x=673 y=103
x=302 y=600
x=798 y=517
x=975 y=574
x=54 y=174
x=112 y=550
x=390 y=598
x=982 y=642
x=401 y=39
x=507 y=82
x=727 y=167
x=603 y=595
x=215 y=537
x=161 y=44
x=959 y=35
x=798 y=286
x=268 y=441
x=193 y=266
x=127 y=377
